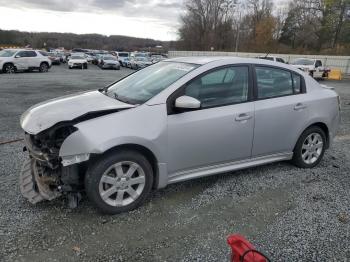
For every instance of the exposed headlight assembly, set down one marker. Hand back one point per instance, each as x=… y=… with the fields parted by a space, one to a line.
x=74 y=159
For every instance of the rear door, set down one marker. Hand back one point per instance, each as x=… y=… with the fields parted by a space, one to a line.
x=221 y=130
x=281 y=110
x=33 y=60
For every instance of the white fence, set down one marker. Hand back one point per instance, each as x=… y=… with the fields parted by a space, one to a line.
x=340 y=62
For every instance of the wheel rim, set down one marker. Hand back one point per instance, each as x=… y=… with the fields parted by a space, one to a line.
x=9 y=69
x=312 y=148
x=44 y=68
x=122 y=183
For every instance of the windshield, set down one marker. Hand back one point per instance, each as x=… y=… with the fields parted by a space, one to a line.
x=146 y=83
x=7 y=53
x=303 y=62
x=77 y=57
x=123 y=54
x=109 y=58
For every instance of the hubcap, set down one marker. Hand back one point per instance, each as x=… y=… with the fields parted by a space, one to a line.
x=312 y=148
x=9 y=69
x=122 y=183
x=43 y=67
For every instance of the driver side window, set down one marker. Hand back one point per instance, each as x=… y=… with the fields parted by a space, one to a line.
x=221 y=87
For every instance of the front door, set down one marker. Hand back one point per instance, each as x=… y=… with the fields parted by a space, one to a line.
x=221 y=130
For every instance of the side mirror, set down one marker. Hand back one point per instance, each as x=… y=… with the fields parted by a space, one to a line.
x=187 y=102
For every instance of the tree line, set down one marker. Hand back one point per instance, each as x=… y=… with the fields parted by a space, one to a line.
x=313 y=26
x=70 y=41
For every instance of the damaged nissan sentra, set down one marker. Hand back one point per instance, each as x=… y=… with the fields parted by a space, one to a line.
x=176 y=120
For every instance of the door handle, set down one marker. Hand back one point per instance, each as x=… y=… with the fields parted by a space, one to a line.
x=243 y=117
x=299 y=106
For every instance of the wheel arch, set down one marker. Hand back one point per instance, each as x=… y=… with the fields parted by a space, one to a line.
x=146 y=152
x=324 y=128
x=8 y=63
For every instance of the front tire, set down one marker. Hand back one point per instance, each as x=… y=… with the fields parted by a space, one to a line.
x=310 y=148
x=119 y=181
x=9 y=69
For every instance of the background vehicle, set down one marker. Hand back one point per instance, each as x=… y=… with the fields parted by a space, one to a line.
x=55 y=58
x=157 y=58
x=176 y=120
x=272 y=58
x=140 y=62
x=311 y=66
x=123 y=57
x=12 y=60
x=109 y=62
x=77 y=60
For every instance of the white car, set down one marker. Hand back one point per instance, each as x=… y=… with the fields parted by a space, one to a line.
x=313 y=67
x=77 y=61
x=109 y=62
x=123 y=57
x=12 y=60
x=272 y=58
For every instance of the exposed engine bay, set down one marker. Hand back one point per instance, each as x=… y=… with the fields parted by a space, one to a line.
x=43 y=177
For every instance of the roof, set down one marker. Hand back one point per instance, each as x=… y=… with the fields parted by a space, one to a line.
x=202 y=60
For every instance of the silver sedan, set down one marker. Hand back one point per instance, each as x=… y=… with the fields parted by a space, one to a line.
x=176 y=120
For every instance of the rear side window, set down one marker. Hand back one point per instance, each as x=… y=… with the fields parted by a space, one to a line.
x=221 y=87
x=272 y=82
x=280 y=60
x=31 y=54
x=318 y=63
x=297 y=83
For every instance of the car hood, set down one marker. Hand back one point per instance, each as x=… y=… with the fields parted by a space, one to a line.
x=110 y=61
x=68 y=108
x=304 y=66
x=77 y=60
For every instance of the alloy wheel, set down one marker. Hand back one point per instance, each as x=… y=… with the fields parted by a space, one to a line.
x=9 y=69
x=312 y=148
x=122 y=183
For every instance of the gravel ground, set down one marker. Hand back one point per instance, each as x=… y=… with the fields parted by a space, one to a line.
x=288 y=213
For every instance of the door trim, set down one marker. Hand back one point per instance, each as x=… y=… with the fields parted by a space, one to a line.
x=226 y=167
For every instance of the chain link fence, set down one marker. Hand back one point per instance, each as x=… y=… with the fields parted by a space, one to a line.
x=333 y=62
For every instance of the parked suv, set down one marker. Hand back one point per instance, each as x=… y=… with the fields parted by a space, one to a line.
x=176 y=120
x=12 y=60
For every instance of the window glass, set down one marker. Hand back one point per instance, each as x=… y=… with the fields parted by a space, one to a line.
x=22 y=54
x=149 y=82
x=221 y=87
x=273 y=82
x=30 y=54
x=297 y=83
x=280 y=60
x=318 y=63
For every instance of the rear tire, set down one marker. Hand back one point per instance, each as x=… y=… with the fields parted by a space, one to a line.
x=310 y=148
x=112 y=188
x=44 y=67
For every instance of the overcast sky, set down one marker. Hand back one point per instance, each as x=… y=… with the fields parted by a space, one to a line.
x=157 y=19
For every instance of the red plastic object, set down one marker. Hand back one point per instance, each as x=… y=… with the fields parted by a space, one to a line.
x=239 y=245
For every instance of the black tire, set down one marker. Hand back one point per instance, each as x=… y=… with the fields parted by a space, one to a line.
x=298 y=150
x=85 y=66
x=9 y=68
x=311 y=74
x=44 y=67
x=96 y=170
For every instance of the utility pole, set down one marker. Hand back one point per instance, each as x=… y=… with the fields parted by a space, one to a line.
x=237 y=6
x=238 y=30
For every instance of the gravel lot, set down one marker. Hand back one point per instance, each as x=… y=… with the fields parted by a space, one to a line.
x=288 y=213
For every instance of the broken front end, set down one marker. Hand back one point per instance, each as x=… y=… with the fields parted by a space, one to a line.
x=45 y=175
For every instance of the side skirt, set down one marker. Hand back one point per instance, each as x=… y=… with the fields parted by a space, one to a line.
x=226 y=167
